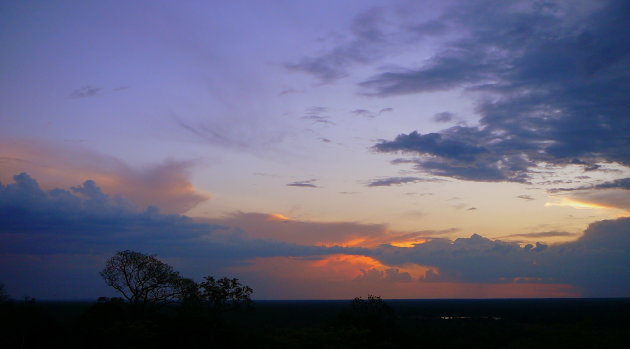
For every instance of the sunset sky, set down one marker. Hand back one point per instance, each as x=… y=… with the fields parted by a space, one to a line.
x=318 y=149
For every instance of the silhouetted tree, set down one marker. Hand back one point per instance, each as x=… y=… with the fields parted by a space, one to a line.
x=143 y=279
x=224 y=291
x=371 y=313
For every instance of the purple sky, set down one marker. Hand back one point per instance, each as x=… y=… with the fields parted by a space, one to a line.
x=411 y=149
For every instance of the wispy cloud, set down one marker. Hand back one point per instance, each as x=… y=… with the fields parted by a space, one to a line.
x=366 y=45
x=443 y=117
x=84 y=92
x=364 y=113
x=385 y=110
x=547 y=234
x=389 y=181
x=525 y=197
x=304 y=184
x=318 y=115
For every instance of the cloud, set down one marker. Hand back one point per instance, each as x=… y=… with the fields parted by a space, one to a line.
x=387 y=275
x=548 y=81
x=386 y=182
x=317 y=115
x=610 y=194
x=289 y=91
x=84 y=92
x=69 y=232
x=385 y=110
x=608 y=198
x=621 y=183
x=48 y=228
x=363 y=112
x=443 y=117
x=165 y=185
x=278 y=227
x=304 y=184
x=366 y=45
x=525 y=197
x=546 y=234
x=596 y=262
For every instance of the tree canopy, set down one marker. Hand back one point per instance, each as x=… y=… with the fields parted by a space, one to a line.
x=142 y=278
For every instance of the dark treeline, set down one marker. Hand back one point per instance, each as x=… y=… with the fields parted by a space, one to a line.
x=362 y=323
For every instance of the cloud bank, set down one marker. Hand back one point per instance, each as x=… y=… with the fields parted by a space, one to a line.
x=549 y=81
x=62 y=237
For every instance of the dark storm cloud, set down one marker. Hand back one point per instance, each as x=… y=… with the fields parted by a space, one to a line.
x=84 y=92
x=551 y=82
x=84 y=220
x=305 y=184
x=597 y=262
x=386 y=182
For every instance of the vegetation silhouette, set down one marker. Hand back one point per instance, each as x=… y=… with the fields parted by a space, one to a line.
x=160 y=308
x=143 y=279
x=219 y=313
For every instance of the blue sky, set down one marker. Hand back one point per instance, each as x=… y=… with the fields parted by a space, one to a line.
x=361 y=134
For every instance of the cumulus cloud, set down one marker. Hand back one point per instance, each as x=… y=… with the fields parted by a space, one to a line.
x=62 y=230
x=548 y=80
x=58 y=227
x=596 y=262
x=387 y=275
x=165 y=185
x=84 y=218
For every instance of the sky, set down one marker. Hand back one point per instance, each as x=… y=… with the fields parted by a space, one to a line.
x=318 y=149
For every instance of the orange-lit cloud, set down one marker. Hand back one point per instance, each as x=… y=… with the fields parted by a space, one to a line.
x=165 y=185
x=578 y=204
x=347 y=276
x=278 y=226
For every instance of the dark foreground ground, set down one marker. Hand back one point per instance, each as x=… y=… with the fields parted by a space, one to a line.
x=546 y=323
